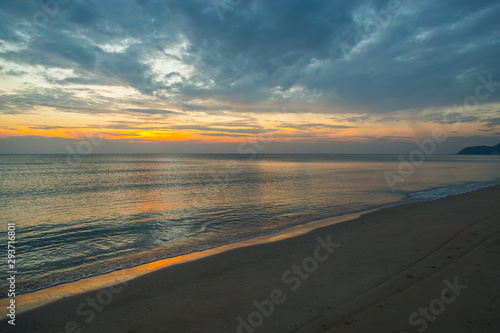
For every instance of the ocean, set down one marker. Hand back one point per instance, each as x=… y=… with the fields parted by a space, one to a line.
x=83 y=217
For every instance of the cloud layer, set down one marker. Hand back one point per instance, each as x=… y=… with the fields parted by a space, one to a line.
x=152 y=58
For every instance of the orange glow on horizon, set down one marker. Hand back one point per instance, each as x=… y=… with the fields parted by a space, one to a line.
x=270 y=132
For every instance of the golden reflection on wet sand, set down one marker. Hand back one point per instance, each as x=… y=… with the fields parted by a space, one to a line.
x=41 y=297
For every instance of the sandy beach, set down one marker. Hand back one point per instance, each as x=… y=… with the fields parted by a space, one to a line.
x=235 y=166
x=430 y=266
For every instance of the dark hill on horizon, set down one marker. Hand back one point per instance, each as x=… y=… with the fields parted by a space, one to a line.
x=480 y=150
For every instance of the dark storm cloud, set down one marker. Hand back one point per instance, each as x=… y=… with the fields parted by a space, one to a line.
x=426 y=54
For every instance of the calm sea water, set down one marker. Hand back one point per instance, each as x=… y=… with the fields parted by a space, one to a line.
x=84 y=217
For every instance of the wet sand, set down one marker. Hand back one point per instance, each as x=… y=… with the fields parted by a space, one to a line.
x=430 y=266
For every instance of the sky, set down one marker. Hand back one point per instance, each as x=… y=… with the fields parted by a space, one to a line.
x=187 y=76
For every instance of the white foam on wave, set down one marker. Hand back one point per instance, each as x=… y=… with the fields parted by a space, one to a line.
x=442 y=192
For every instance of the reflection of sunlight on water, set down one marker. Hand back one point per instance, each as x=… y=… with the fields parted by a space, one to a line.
x=120 y=210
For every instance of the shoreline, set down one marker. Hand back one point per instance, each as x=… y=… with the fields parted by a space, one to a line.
x=253 y=248
x=40 y=297
x=187 y=256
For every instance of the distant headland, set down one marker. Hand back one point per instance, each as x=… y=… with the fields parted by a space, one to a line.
x=481 y=150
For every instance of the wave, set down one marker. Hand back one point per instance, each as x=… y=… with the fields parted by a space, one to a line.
x=443 y=192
